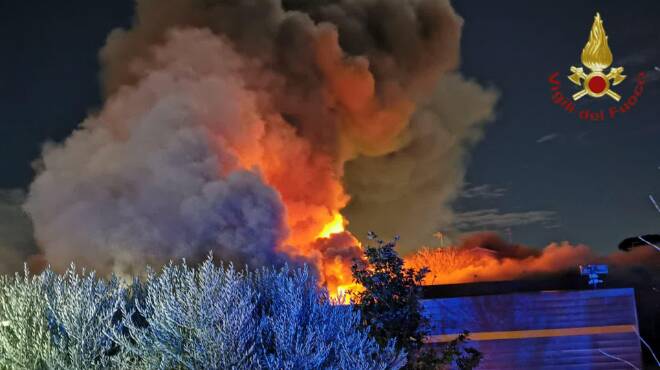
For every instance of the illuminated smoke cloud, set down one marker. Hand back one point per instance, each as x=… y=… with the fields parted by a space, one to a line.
x=486 y=257
x=409 y=191
x=148 y=179
x=245 y=127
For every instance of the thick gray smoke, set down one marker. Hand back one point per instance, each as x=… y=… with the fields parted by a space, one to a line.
x=361 y=65
x=244 y=127
x=408 y=192
x=154 y=176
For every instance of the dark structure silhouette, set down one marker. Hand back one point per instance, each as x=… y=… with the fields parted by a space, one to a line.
x=634 y=242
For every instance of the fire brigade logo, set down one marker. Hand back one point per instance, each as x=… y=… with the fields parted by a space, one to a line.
x=597 y=56
x=596 y=82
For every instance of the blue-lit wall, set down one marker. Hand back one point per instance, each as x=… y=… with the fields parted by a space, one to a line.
x=543 y=330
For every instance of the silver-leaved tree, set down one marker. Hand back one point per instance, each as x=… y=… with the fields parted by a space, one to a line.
x=25 y=339
x=204 y=317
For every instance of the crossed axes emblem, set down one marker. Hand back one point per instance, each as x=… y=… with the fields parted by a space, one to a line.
x=596 y=83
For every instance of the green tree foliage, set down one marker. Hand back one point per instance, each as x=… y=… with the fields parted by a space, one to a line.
x=391 y=307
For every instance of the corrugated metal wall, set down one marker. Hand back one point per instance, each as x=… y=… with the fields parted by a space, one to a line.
x=543 y=330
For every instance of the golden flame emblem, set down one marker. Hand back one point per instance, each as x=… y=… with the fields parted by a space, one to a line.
x=597 y=56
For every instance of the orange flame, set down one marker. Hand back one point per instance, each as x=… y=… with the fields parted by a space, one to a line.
x=340 y=286
x=307 y=176
x=335 y=226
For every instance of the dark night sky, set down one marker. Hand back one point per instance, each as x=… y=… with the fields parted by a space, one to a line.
x=581 y=181
x=596 y=177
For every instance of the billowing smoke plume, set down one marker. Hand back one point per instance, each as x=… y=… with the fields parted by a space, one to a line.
x=246 y=127
x=409 y=191
x=164 y=171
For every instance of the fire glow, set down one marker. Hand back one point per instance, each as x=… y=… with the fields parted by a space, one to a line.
x=263 y=147
x=335 y=226
x=487 y=257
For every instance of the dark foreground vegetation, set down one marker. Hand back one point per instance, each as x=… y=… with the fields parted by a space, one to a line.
x=218 y=317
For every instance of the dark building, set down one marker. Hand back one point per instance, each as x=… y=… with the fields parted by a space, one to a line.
x=546 y=329
x=587 y=329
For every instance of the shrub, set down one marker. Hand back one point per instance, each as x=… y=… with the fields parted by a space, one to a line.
x=302 y=328
x=206 y=317
x=190 y=318
x=219 y=318
x=390 y=307
x=53 y=321
x=79 y=309
x=25 y=340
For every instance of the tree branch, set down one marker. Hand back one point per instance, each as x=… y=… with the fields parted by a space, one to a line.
x=618 y=359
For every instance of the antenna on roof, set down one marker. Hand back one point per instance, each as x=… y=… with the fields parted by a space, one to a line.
x=593 y=272
x=441 y=236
